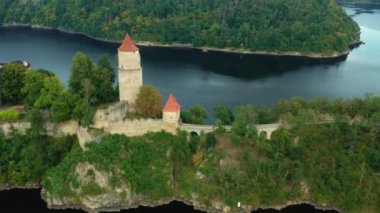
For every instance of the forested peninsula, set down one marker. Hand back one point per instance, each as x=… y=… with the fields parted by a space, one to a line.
x=293 y=27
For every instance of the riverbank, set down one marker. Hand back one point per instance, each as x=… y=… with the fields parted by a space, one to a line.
x=358 y=3
x=316 y=56
x=217 y=206
x=6 y=187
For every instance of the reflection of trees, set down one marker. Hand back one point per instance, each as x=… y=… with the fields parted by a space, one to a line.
x=237 y=65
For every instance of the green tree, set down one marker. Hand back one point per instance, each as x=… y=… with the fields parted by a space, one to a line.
x=63 y=107
x=81 y=69
x=51 y=91
x=88 y=90
x=149 y=101
x=103 y=92
x=83 y=112
x=244 y=116
x=12 y=81
x=103 y=63
x=92 y=82
x=36 y=122
x=196 y=115
x=34 y=82
x=224 y=114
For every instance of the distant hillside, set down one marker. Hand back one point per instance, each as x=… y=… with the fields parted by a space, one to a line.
x=304 y=26
x=359 y=1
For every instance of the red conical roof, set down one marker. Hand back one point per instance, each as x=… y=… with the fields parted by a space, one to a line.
x=172 y=105
x=128 y=45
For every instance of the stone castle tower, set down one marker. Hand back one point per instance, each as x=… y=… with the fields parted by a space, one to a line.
x=130 y=71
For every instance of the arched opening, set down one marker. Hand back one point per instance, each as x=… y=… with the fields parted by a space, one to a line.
x=193 y=133
x=263 y=134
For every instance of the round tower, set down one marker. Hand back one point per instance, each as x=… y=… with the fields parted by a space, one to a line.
x=130 y=71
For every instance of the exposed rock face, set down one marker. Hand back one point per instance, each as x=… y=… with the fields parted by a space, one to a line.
x=93 y=193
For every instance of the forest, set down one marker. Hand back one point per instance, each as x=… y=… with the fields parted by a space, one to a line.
x=311 y=26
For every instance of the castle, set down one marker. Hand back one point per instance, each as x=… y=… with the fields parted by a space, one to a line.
x=112 y=120
x=131 y=79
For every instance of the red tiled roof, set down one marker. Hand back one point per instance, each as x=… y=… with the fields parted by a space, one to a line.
x=128 y=45
x=172 y=105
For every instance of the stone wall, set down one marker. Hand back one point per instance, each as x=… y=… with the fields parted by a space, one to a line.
x=117 y=111
x=60 y=129
x=65 y=128
x=171 y=117
x=140 y=127
x=21 y=126
x=114 y=113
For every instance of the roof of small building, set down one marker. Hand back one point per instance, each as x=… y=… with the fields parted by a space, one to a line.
x=128 y=45
x=171 y=105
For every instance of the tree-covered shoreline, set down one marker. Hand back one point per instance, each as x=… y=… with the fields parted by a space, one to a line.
x=305 y=28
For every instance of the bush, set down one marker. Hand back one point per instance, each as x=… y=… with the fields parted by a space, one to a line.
x=9 y=115
x=210 y=140
x=92 y=189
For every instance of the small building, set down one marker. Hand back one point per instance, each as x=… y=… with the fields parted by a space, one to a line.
x=171 y=113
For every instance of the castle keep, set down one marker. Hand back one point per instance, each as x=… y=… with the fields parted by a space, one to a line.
x=131 y=79
x=130 y=71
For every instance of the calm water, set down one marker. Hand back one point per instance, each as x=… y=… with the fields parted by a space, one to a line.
x=215 y=78
x=207 y=78
x=31 y=202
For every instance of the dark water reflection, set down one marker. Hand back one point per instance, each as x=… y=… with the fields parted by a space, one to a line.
x=247 y=67
x=30 y=201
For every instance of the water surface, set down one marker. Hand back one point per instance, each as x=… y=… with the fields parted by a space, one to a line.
x=217 y=78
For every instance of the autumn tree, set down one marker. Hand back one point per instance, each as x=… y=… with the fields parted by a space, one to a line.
x=149 y=101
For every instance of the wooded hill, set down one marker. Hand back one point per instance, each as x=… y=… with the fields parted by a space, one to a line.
x=306 y=26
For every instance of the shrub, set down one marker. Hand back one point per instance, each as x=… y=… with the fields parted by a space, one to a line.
x=210 y=140
x=92 y=189
x=197 y=159
x=9 y=115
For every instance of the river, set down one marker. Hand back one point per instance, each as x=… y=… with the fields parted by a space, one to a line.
x=206 y=78
x=216 y=78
